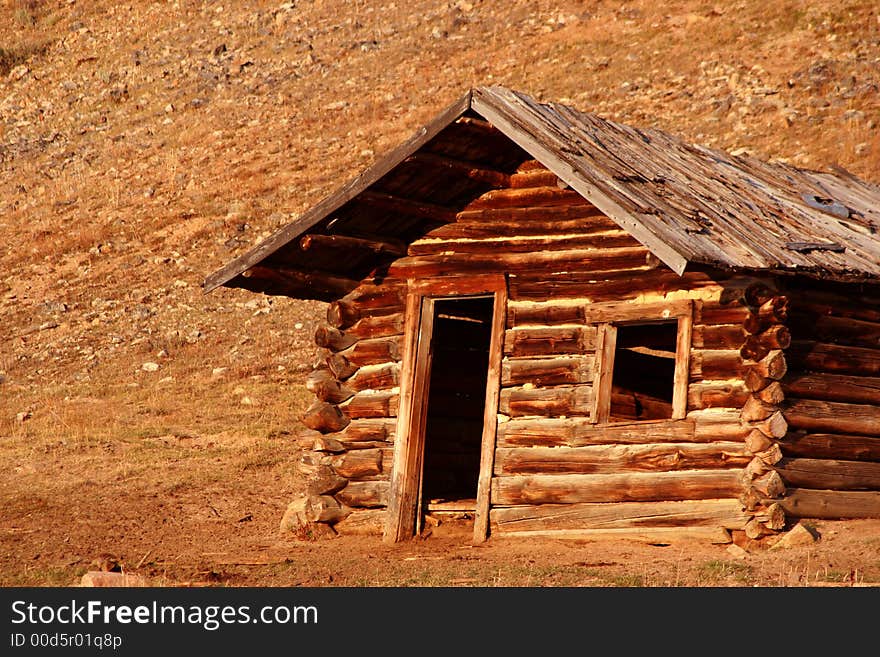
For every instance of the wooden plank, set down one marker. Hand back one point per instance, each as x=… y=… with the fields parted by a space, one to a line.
x=682 y=363
x=318 y=241
x=630 y=487
x=729 y=393
x=336 y=200
x=407 y=455
x=831 y=504
x=603 y=368
x=610 y=459
x=490 y=416
x=578 y=431
x=726 y=513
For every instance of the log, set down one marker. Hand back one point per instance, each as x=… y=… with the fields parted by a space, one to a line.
x=324 y=417
x=358 y=464
x=366 y=433
x=324 y=508
x=845 y=447
x=546 y=371
x=726 y=336
x=716 y=364
x=550 y=402
x=524 y=225
x=326 y=388
x=755 y=529
x=536 y=178
x=578 y=431
x=305 y=438
x=770 y=368
x=587 y=214
x=712 y=312
x=378 y=299
x=649 y=535
x=836 y=359
x=837 y=330
x=294 y=280
x=688 y=513
x=376 y=326
x=610 y=459
x=833 y=417
x=333 y=339
x=833 y=387
x=774 y=426
x=770 y=485
x=342 y=313
x=631 y=487
x=340 y=366
x=380 y=404
x=831 y=504
x=611 y=239
x=747 y=291
x=362 y=522
x=324 y=443
x=772 y=455
x=773 y=517
x=374 y=351
x=829 y=474
x=718 y=424
x=331 y=243
x=717 y=394
x=772 y=394
x=365 y=494
x=615 y=283
x=528 y=197
x=757 y=442
x=397 y=205
x=575 y=259
x=325 y=482
x=756 y=410
x=549 y=341
x=758 y=346
x=444 y=165
x=375 y=377
x=771 y=312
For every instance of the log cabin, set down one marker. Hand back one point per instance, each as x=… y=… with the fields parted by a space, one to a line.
x=545 y=323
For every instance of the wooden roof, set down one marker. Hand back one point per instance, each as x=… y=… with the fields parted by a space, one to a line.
x=686 y=203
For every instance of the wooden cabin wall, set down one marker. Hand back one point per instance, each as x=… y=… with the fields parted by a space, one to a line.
x=831 y=454
x=554 y=470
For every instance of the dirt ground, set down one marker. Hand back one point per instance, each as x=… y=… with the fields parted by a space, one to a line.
x=205 y=512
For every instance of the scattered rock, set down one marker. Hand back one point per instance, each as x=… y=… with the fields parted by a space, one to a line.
x=150 y=367
x=22 y=417
x=218 y=371
x=800 y=534
x=97 y=578
x=736 y=551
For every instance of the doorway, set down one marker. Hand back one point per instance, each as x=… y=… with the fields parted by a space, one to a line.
x=449 y=385
x=455 y=399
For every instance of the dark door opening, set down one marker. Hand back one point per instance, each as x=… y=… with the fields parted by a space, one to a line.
x=456 y=396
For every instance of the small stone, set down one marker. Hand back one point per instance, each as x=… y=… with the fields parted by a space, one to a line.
x=736 y=551
x=217 y=371
x=23 y=416
x=247 y=401
x=162 y=354
x=150 y=367
x=798 y=535
x=238 y=391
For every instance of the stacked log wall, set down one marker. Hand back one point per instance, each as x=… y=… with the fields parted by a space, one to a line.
x=554 y=470
x=349 y=441
x=830 y=459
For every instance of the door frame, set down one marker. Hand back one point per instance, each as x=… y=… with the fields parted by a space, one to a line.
x=409 y=443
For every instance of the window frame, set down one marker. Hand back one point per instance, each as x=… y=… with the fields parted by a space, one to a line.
x=606 y=318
